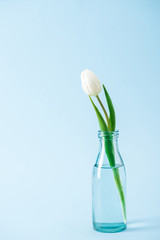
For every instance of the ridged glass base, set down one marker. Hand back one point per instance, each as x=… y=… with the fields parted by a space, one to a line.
x=109 y=227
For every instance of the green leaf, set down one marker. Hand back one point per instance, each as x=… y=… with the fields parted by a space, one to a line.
x=102 y=124
x=108 y=142
x=112 y=117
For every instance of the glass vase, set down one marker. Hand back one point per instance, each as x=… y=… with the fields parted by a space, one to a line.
x=109 y=186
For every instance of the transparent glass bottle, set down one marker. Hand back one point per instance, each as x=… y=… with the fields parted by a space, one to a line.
x=109 y=186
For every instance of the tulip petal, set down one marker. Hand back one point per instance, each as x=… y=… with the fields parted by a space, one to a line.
x=90 y=83
x=102 y=124
x=112 y=116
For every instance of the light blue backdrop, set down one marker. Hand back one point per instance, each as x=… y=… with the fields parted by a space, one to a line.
x=48 y=129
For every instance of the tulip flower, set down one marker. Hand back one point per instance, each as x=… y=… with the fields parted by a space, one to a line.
x=92 y=87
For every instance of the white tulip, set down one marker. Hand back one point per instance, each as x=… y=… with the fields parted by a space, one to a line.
x=90 y=83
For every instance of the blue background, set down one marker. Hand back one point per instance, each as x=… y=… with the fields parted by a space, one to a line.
x=48 y=128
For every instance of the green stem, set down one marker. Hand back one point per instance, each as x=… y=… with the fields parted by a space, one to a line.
x=120 y=190
x=109 y=148
x=104 y=110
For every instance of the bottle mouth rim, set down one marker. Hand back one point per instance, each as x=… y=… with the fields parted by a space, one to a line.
x=108 y=134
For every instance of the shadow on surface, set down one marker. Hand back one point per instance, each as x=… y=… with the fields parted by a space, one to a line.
x=144 y=224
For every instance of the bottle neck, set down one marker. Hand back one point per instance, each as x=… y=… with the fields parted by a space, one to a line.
x=108 y=152
x=108 y=143
x=103 y=141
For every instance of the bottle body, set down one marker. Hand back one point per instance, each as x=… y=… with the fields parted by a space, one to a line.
x=109 y=189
